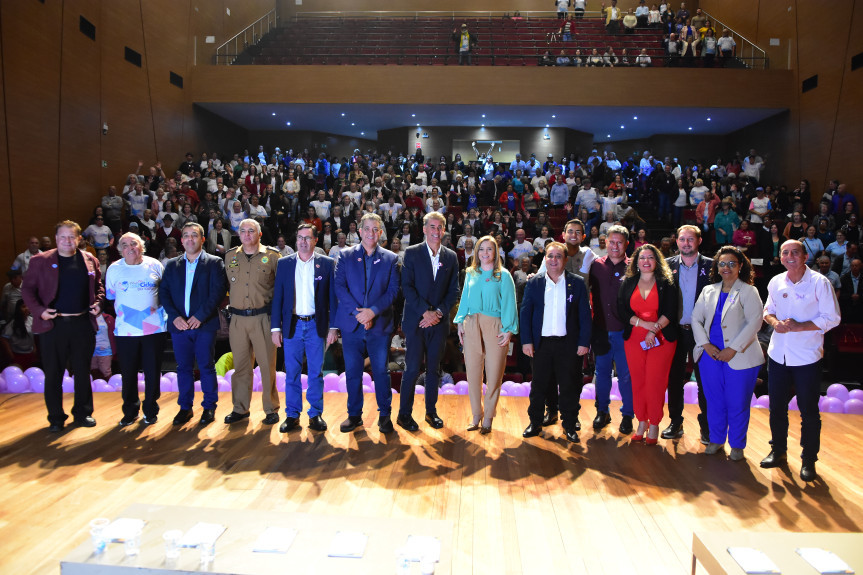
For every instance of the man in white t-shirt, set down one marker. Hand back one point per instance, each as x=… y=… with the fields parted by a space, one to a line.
x=140 y=328
x=322 y=205
x=99 y=234
x=522 y=247
x=759 y=206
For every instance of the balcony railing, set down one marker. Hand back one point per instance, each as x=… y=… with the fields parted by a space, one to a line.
x=228 y=52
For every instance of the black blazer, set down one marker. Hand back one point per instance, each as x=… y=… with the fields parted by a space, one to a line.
x=669 y=300
x=704 y=266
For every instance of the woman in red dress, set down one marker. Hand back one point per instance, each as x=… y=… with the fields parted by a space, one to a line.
x=647 y=301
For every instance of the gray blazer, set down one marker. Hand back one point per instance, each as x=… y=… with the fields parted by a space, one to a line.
x=741 y=320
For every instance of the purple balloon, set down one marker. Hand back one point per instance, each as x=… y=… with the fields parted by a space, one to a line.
x=342 y=385
x=521 y=390
x=367 y=379
x=446 y=386
x=856 y=394
x=34 y=372
x=102 y=386
x=450 y=391
x=854 y=407
x=368 y=389
x=10 y=371
x=792 y=405
x=224 y=384
x=462 y=387
x=18 y=382
x=68 y=385
x=838 y=391
x=331 y=382
x=141 y=385
x=165 y=383
x=116 y=381
x=257 y=385
x=763 y=402
x=37 y=384
x=506 y=391
x=588 y=393
x=420 y=390
x=834 y=405
x=752 y=401
x=3 y=387
x=304 y=381
x=229 y=375
x=257 y=371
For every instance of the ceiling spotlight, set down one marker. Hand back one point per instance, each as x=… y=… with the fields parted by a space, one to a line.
x=608 y=136
x=483 y=126
x=708 y=119
x=288 y=123
x=553 y=116
x=690 y=127
x=413 y=115
x=546 y=125
x=621 y=126
x=418 y=125
x=343 y=114
x=352 y=124
x=483 y=115
x=635 y=117
x=274 y=113
x=362 y=133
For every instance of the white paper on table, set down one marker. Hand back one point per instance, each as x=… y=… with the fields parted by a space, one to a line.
x=202 y=533
x=753 y=560
x=422 y=546
x=824 y=561
x=123 y=528
x=274 y=540
x=348 y=544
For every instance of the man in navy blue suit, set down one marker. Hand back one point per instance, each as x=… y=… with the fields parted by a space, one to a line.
x=367 y=283
x=303 y=298
x=555 y=320
x=192 y=287
x=430 y=286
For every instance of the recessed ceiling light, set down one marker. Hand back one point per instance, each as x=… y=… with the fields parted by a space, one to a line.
x=608 y=136
x=621 y=126
x=546 y=126
x=352 y=124
x=690 y=127
x=413 y=115
x=362 y=133
x=288 y=123
x=483 y=126
x=274 y=113
x=708 y=119
x=343 y=114
x=418 y=125
x=553 y=116
x=635 y=117
x=483 y=115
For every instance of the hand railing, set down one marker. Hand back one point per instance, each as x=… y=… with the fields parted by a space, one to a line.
x=228 y=52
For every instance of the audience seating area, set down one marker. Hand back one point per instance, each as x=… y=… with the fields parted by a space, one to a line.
x=427 y=41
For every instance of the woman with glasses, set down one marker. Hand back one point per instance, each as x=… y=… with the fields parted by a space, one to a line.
x=646 y=301
x=725 y=324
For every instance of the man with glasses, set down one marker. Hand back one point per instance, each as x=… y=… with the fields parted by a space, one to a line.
x=192 y=287
x=367 y=283
x=301 y=322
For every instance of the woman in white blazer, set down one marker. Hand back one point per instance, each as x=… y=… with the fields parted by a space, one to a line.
x=725 y=324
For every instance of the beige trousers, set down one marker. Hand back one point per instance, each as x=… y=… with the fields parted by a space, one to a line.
x=250 y=339
x=481 y=352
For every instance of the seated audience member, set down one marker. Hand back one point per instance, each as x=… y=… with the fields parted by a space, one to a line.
x=850 y=292
x=643 y=59
x=744 y=237
x=16 y=339
x=11 y=295
x=562 y=59
x=547 y=59
x=609 y=59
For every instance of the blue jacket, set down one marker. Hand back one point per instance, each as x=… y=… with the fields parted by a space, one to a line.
x=578 y=322
x=425 y=292
x=209 y=286
x=282 y=314
x=350 y=289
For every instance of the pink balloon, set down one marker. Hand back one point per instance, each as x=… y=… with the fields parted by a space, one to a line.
x=854 y=407
x=18 y=382
x=834 y=405
x=792 y=405
x=856 y=394
x=838 y=391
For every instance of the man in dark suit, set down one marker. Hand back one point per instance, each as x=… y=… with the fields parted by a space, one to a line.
x=304 y=304
x=365 y=319
x=849 y=294
x=554 y=321
x=63 y=291
x=192 y=287
x=430 y=286
x=691 y=272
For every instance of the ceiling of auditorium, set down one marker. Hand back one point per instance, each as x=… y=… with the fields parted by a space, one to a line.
x=607 y=123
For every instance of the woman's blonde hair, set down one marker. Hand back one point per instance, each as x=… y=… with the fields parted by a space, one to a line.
x=475 y=265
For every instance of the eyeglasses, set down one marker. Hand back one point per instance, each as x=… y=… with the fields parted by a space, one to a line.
x=731 y=265
x=304 y=239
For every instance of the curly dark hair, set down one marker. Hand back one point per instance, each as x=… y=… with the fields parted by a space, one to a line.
x=746 y=275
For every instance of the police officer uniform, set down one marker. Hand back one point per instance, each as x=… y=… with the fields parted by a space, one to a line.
x=251 y=280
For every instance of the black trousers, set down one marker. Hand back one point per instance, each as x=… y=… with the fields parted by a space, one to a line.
x=677 y=378
x=144 y=352
x=556 y=373
x=782 y=381
x=71 y=341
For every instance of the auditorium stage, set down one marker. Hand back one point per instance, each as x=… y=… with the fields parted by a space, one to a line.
x=541 y=505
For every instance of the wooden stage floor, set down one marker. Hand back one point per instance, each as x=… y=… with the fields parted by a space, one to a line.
x=603 y=506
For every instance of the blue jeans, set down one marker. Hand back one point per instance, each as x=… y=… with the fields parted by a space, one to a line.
x=305 y=341
x=354 y=344
x=190 y=345
x=603 y=376
x=806 y=380
x=664 y=204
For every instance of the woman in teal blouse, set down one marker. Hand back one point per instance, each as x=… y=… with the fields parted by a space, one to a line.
x=487 y=318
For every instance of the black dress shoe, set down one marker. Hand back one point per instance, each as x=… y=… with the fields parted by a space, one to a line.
x=150 y=420
x=85 y=421
x=271 y=419
x=317 y=423
x=351 y=423
x=433 y=420
x=385 y=424
x=207 y=417
x=774 y=459
x=626 y=425
x=807 y=472
x=673 y=431
x=407 y=422
x=705 y=438
x=571 y=435
x=550 y=417
x=126 y=421
x=182 y=417
x=290 y=424
x=532 y=430
x=577 y=425
x=601 y=420
x=234 y=417
x=55 y=427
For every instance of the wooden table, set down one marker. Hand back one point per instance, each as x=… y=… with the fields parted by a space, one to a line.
x=711 y=550
x=234 y=555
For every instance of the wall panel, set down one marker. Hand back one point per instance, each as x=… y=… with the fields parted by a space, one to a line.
x=8 y=247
